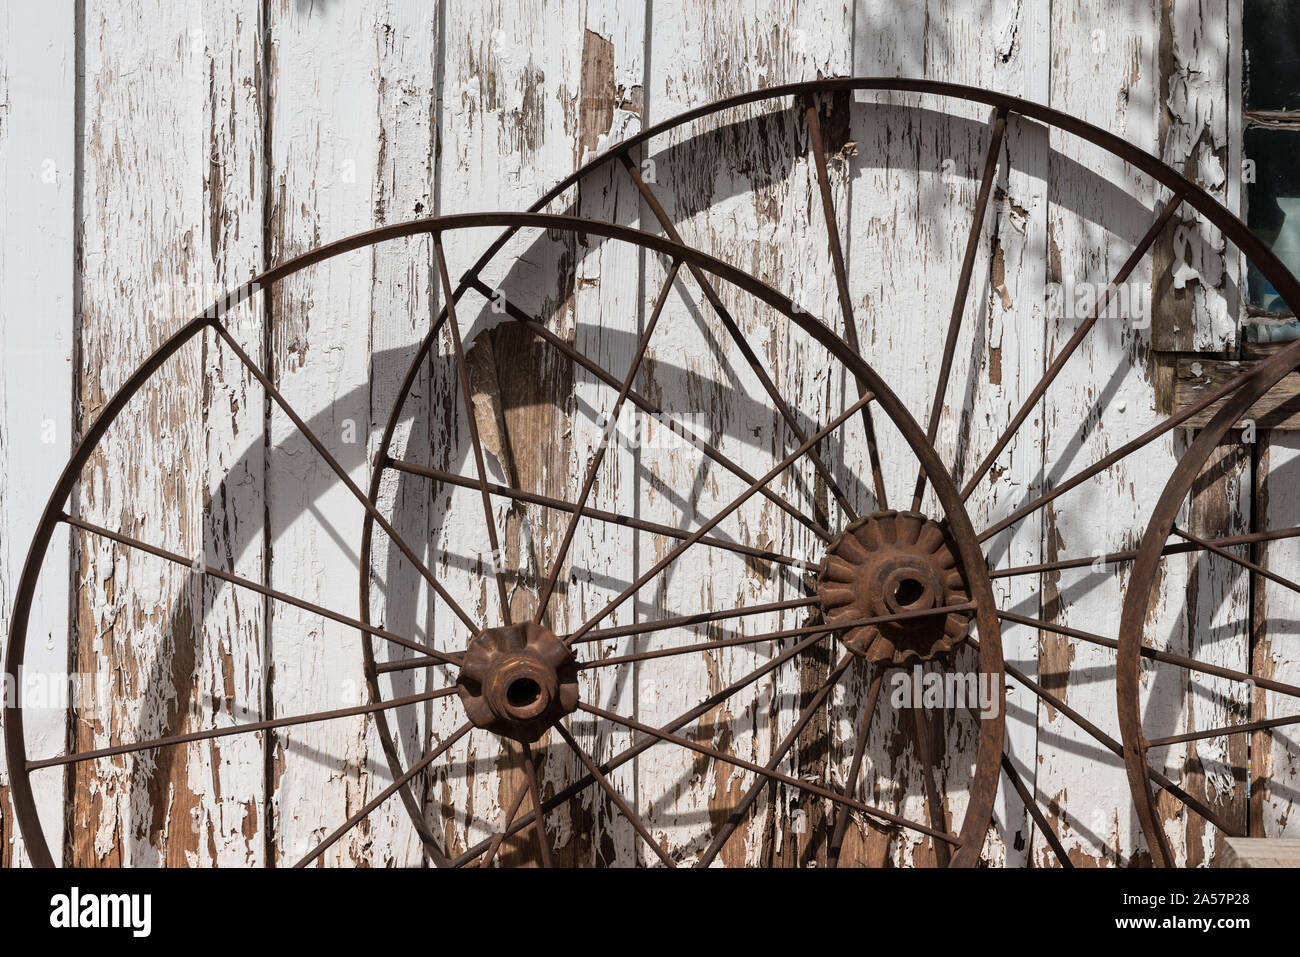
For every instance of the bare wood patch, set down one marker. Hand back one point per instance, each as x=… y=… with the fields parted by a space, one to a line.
x=1194 y=379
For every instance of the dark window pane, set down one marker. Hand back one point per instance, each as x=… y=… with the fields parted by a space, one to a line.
x=1271 y=41
x=1273 y=204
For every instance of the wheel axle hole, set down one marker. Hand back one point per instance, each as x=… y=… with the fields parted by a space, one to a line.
x=908 y=592
x=523 y=692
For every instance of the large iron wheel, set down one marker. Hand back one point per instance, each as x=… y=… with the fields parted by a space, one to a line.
x=518 y=680
x=1265 y=555
x=805 y=103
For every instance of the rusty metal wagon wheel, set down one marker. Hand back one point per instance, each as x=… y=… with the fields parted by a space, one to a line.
x=898 y=588
x=518 y=680
x=805 y=100
x=1139 y=648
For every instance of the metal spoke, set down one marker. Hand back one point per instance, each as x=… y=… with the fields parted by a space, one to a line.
x=751 y=795
x=817 y=148
x=793 y=782
x=680 y=621
x=1117 y=749
x=1123 y=451
x=471 y=420
x=687 y=649
x=1039 y=390
x=963 y=289
x=628 y=521
x=593 y=467
x=716 y=520
x=1190 y=664
x=1129 y=555
x=855 y=767
x=1249 y=726
x=432 y=653
x=539 y=822
x=648 y=627
x=268 y=725
x=404 y=664
x=652 y=408
x=632 y=817
x=1031 y=805
x=733 y=330
x=520 y=793
x=346 y=479
x=631 y=752
x=384 y=795
x=1224 y=553
x=937 y=817
x=777 y=635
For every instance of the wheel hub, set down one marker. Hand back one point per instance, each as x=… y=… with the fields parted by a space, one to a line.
x=891 y=563
x=517 y=681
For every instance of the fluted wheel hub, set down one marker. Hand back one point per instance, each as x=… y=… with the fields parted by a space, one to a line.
x=891 y=563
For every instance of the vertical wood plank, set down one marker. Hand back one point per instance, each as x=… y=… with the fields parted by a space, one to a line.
x=1196 y=297
x=1018 y=355
x=402 y=297
x=1103 y=69
x=172 y=143
x=329 y=179
x=906 y=259
x=1106 y=69
x=1218 y=613
x=746 y=193
x=1275 y=769
x=529 y=92
x=230 y=778
x=37 y=186
x=610 y=306
x=1195 y=307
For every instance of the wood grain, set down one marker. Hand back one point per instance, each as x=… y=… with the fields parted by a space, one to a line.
x=1196 y=302
x=1196 y=378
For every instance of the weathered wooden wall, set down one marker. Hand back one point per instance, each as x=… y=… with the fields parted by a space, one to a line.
x=154 y=154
